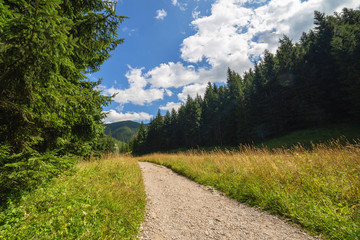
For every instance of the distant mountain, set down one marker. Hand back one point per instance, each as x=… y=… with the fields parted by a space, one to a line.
x=122 y=131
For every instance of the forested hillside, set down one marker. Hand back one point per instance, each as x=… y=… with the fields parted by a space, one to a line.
x=50 y=113
x=122 y=131
x=306 y=84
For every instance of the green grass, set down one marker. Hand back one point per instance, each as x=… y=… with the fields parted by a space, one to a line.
x=319 y=189
x=102 y=199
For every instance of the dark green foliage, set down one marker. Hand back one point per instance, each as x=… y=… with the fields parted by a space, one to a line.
x=155 y=133
x=303 y=85
x=192 y=122
x=48 y=108
x=137 y=144
x=24 y=171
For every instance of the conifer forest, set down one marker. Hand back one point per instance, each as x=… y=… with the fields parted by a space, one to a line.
x=304 y=84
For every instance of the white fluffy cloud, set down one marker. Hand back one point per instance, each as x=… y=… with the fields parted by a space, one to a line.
x=161 y=14
x=171 y=105
x=114 y=116
x=177 y=75
x=231 y=36
x=137 y=93
x=172 y=75
x=192 y=91
x=234 y=33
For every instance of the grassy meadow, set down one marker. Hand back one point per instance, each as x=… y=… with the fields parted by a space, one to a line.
x=318 y=189
x=101 y=199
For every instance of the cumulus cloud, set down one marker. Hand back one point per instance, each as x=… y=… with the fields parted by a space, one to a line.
x=137 y=93
x=192 y=91
x=172 y=75
x=168 y=92
x=114 y=116
x=177 y=75
x=171 y=105
x=161 y=14
x=233 y=35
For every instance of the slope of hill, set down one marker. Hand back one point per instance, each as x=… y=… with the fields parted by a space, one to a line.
x=122 y=131
x=344 y=133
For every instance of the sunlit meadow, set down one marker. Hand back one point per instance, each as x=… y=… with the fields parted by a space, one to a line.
x=102 y=199
x=318 y=189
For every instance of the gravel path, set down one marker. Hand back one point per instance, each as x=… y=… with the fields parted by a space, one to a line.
x=181 y=209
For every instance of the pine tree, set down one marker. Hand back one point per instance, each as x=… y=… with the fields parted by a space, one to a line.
x=192 y=122
x=309 y=83
x=167 y=130
x=174 y=141
x=48 y=108
x=231 y=111
x=46 y=48
x=139 y=141
x=345 y=45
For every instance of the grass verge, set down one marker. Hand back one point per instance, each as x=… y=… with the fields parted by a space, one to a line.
x=102 y=199
x=318 y=189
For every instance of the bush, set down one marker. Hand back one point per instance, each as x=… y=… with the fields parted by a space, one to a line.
x=27 y=170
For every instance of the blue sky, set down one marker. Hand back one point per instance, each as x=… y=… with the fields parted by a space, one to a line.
x=173 y=48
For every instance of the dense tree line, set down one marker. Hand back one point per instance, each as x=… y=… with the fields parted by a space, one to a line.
x=48 y=107
x=304 y=84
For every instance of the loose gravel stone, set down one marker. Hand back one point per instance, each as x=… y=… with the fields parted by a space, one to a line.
x=182 y=209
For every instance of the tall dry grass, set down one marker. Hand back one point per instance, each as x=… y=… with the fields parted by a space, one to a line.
x=318 y=189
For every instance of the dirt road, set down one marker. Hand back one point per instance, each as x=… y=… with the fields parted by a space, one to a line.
x=181 y=209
